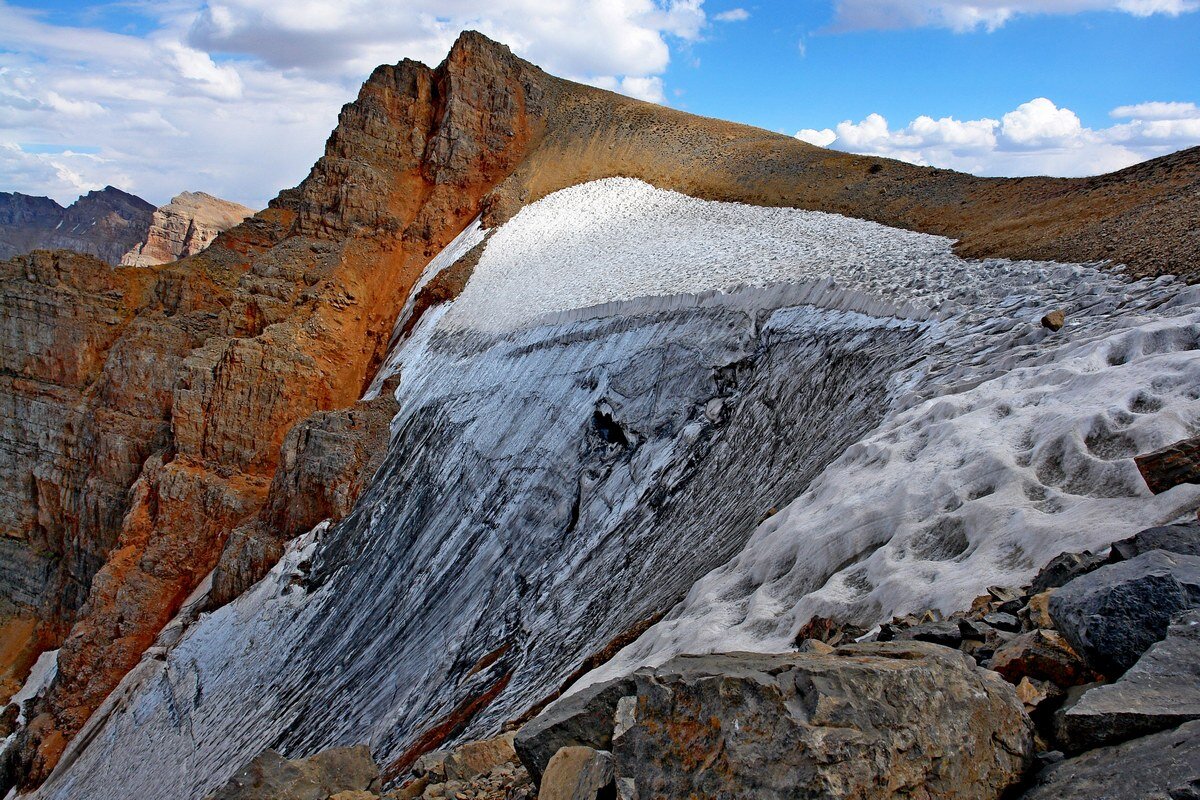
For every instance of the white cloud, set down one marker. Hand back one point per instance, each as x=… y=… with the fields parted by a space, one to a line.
x=732 y=15
x=237 y=97
x=1036 y=138
x=970 y=15
x=1040 y=123
x=1157 y=110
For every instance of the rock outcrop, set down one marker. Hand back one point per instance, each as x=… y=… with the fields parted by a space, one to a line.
x=327 y=774
x=104 y=223
x=184 y=227
x=852 y=723
x=1165 y=765
x=1162 y=690
x=1113 y=615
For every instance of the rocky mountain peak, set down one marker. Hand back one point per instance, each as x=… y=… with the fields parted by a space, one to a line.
x=184 y=227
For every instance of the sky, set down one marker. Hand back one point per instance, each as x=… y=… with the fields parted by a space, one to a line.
x=237 y=97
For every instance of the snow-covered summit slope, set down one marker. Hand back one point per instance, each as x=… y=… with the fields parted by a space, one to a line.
x=619 y=238
x=592 y=433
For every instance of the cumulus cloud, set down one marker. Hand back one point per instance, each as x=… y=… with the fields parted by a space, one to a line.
x=1035 y=138
x=237 y=97
x=969 y=15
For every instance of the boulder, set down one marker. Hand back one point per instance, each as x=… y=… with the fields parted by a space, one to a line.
x=943 y=632
x=1162 y=690
x=476 y=758
x=1182 y=538
x=1065 y=568
x=1172 y=465
x=1054 y=320
x=577 y=773
x=432 y=765
x=1036 y=613
x=1002 y=622
x=1113 y=615
x=1158 y=767
x=270 y=776
x=584 y=718
x=859 y=722
x=1041 y=655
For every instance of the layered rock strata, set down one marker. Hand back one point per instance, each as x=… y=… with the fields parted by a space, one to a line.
x=184 y=227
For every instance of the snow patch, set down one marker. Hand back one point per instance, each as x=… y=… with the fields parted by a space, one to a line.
x=619 y=238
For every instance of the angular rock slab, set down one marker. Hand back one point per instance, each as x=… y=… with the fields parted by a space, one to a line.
x=1162 y=690
x=1113 y=615
x=879 y=720
x=1182 y=538
x=1164 y=765
x=270 y=776
x=578 y=773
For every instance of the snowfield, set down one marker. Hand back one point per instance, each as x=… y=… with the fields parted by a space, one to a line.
x=620 y=238
x=603 y=423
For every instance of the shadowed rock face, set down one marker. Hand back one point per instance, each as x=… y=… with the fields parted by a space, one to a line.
x=145 y=409
x=102 y=223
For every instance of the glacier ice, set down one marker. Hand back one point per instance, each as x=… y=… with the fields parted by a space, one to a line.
x=599 y=429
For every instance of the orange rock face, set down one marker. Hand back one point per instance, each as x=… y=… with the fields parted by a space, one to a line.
x=174 y=387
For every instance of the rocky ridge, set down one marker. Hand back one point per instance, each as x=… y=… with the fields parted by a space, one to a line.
x=184 y=227
x=165 y=433
x=103 y=223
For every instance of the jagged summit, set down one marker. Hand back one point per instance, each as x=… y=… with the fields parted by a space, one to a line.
x=103 y=223
x=184 y=227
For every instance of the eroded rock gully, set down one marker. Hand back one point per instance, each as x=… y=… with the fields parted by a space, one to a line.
x=145 y=409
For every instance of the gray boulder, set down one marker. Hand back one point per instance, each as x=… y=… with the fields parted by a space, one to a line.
x=1113 y=615
x=1162 y=690
x=1063 y=569
x=881 y=720
x=1163 y=766
x=582 y=719
x=1182 y=538
x=270 y=776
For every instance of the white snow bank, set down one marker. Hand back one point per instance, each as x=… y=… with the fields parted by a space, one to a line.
x=470 y=236
x=960 y=492
x=620 y=238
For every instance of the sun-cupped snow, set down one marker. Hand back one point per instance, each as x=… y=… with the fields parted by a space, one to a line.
x=597 y=432
x=964 y=491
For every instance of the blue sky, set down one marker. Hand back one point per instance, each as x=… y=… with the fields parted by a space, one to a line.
x=236 y=97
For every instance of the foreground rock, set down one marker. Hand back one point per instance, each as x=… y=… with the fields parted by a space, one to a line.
x=858 y=722
x=1113 y=615
x=270 y=776
x=1165 y=765
x=1182 y=538
x=1160 y=691
x=578 y=773
x=184 y=227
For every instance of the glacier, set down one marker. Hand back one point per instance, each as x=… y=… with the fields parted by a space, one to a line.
x=644 y=404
